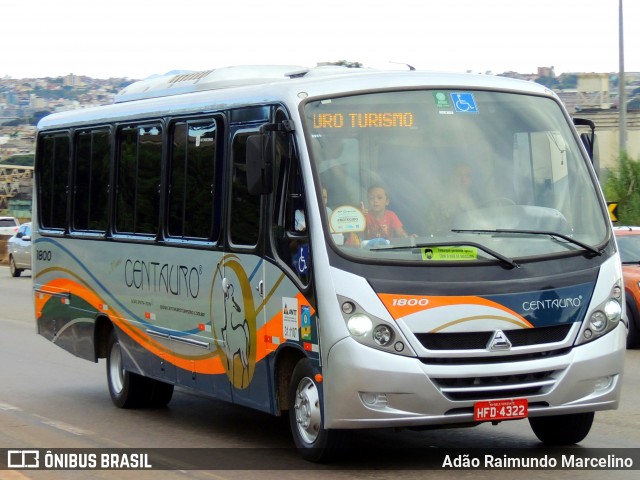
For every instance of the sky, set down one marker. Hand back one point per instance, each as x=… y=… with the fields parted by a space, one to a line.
x=139 y=38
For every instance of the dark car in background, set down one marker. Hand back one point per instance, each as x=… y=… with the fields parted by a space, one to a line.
x=19 y=247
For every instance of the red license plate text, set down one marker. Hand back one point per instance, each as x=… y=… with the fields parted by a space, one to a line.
x=500 y=409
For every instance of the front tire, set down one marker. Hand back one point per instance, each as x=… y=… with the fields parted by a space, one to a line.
x=633 y=336
x=558 y=430
x=313 y=441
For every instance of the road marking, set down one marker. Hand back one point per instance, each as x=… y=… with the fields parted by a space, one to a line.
x=7 y=407
x=64 y=426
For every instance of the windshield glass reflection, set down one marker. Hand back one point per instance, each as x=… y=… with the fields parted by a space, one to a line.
x=433 y=167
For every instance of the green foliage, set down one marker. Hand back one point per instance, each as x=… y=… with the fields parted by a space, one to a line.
x=549 y=82
x=20 y=160
x=623 y=186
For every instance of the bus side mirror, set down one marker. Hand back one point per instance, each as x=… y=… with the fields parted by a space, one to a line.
x=589 y=140
x=586 y=141
x=259 y=163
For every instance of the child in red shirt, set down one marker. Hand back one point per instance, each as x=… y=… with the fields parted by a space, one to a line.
x=381 y=223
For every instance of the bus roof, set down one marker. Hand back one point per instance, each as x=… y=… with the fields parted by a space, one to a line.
x=227 y=77
x=250 y=85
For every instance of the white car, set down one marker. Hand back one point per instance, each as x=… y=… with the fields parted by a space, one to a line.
x=8 y=225
x=20 y=250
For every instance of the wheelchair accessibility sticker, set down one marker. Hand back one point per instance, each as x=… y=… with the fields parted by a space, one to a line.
x=464 y=102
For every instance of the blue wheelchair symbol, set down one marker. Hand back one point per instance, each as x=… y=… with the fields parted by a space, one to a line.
x=302 y=260
x=464 y=102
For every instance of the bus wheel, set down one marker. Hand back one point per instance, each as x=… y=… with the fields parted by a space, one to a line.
x=15 y=271
x=632 y=330
x=127 y=389
x=305 y=416
x=562 y=429
x=161 y=393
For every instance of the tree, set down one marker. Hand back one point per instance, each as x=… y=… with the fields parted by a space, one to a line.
x=622 y=185
x=37 y=116
x=20 y=160
x=549 y=82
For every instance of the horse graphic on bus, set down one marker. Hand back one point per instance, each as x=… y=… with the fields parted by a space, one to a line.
x=233 y=316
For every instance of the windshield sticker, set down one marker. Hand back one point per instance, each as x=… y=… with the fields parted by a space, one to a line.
x=442 y=101
x=305 y=320
x=290 y=325
x=449 y=253
x=464 y=102
x=347 y=219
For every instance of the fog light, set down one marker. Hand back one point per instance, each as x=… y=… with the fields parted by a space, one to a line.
x=399 y=346
x=359 y=325
x=588 y=334
x=382 y=335
x=373 y=398
x=598 y=321
x=603 y=383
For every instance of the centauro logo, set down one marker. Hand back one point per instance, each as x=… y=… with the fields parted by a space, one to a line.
x=162 y=277
x=552 y=303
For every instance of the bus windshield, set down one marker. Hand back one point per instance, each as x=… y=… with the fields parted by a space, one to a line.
x=452 y=175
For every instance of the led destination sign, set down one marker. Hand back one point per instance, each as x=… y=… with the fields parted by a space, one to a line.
x=363 y=120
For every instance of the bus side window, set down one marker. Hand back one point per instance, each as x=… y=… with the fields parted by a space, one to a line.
x=192 y=180
x=245 y=208
x=53 y=181
x=138 y=179
x=290 y=219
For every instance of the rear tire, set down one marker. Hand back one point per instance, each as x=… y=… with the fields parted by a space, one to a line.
x=15 y=271
x=558 y=430
x=127 y=389
x=313 y=441
x=161 y=393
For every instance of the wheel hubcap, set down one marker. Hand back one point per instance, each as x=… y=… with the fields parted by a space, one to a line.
x=116 y=373
x=307 y=408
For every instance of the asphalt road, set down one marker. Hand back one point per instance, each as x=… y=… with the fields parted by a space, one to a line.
x=50 y=399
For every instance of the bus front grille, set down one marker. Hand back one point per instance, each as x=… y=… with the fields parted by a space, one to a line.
x=504 y=386
x=479 y=340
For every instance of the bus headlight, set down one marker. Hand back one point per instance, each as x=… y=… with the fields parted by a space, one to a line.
x=604 y=318
x=373 y=331
x=359 y=325
x=613 y=310
x=382 y=335
x=598 y=321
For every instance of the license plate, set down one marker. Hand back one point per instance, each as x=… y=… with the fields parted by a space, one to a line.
x=500 y=409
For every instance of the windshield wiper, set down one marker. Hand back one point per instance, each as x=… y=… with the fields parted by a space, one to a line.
x=569 y=239
x=493 y=253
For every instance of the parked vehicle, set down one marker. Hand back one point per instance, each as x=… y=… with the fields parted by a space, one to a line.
x=20 y=250
x=629 y=245
x=8 y=225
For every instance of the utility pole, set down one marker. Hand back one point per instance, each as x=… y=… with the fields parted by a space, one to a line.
x=622 y=100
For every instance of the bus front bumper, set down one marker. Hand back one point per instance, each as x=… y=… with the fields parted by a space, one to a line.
x=368 y=388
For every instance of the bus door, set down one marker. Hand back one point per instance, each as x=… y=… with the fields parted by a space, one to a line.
x=237 y=303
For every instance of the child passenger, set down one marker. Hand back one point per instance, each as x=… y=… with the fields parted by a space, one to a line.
x=381 y=222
